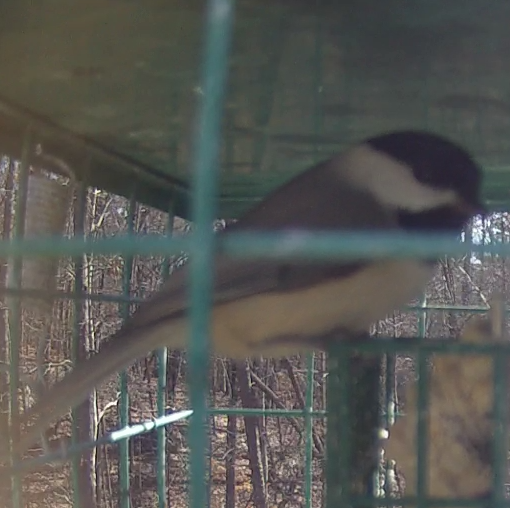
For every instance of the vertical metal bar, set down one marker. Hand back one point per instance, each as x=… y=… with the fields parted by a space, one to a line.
x=388 y=419
x=318 y=85
x=422 y=402
x=390 y=413
x=220 y=15
x=338 y=437
x=211 y=432
x=317 y=128
x=15 y=327
x=422 y=430
x=310 y=361
x=500 y=440
x=162 y=355
x=79 y=230
x=124 y=395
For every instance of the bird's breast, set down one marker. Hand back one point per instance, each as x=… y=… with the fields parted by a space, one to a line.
x=352 y=303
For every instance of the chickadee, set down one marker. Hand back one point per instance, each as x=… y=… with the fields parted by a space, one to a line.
x=411 y=181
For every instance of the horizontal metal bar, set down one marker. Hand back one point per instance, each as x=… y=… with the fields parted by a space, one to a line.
x=351 y=245
x=448 y=308
x=481 y=502
x=412 y=344
x=278 y=413
x=284 y=245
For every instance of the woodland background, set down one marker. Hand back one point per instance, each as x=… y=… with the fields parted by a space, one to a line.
x=257 y=461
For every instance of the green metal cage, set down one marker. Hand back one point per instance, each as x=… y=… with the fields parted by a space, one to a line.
x=263 y=89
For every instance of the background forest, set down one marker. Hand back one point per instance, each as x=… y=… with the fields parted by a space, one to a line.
x=254 y=461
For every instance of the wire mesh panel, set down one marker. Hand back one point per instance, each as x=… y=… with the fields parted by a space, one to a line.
x=143 y=439
x=342 y=444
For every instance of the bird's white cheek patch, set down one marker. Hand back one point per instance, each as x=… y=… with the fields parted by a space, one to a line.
x=393 y=182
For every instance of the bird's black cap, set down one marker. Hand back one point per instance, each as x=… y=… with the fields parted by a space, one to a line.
x=435 y=161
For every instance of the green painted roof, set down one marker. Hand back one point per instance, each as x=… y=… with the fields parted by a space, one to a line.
x=112 y=86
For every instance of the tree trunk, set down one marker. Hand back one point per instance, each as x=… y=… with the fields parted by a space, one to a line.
x=252 y=436
x=230 y=458
x=353 y=418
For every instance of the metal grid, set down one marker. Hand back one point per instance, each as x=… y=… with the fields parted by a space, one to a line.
x=201 y=246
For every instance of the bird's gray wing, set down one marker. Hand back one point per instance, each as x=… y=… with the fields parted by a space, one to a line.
x=316 y=200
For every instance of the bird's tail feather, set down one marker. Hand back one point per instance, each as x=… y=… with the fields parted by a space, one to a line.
x=117 y=354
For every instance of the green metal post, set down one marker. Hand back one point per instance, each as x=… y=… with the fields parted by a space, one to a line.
x=388 y=419
x=422 y=403
x=79 y=222
x=124 y=395
x=162 y=355
x=205 y=178
x=500 y=440
x=338 y=446
x=390 y=406
x=310 y=361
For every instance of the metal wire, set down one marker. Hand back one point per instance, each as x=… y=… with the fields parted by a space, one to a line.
x=162 y=356
x=202 y=245
x=285 y=245
x=220 y=14
x=123 y=382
